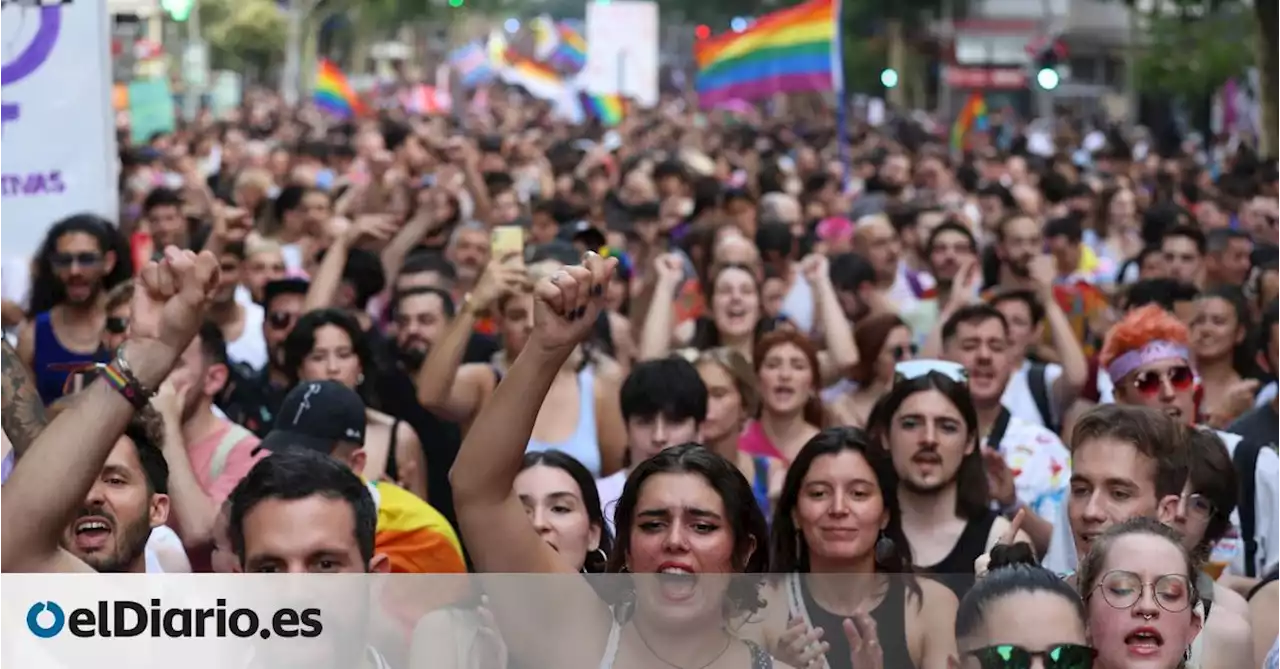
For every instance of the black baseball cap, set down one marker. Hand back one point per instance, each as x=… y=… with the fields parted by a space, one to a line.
x=316 y=416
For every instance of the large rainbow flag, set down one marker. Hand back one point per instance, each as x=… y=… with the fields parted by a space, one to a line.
x=973 y=116
x=333 y=93
x=791 y=50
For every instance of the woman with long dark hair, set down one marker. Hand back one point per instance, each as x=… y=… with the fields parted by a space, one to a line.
x=329 y=344
x=686 y=521
x=883 y=340
x=1219 y=331
x=563 y=504
x=844 y=566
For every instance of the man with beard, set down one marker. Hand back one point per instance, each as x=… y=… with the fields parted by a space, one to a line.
x=241 y=322
x=207 y=453
x=252 y=401
x=952 y=254
x=110 y=491
x=468 y=250
x=81 y=259
x=1130 y=462
x=1019 y=242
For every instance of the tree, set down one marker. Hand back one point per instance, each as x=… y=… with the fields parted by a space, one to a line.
x=1266 y=18
x=1193 y=56
x=242 y=34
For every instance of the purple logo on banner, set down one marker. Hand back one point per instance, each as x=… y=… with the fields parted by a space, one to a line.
x=31 y=58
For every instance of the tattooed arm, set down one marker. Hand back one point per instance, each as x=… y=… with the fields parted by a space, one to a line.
x=20 y=404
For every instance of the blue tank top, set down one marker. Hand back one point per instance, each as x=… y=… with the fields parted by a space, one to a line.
x=50 y=351
x=760 y=486
x=583 y=443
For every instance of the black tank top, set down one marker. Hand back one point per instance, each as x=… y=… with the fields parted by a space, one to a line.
x=956 y=569
x=891 y=625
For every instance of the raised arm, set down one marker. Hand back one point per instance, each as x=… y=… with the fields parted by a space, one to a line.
x=1075 y=366
x=492 y=520
x=841 y=353
x=167 y=310
x=328 y=278
x=20 y=404
x=659 y=322
x=443 y=387
x=194 y=512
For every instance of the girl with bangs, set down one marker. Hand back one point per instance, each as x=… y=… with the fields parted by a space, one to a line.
x=686 y=525
x=791 y=411
x=843 y=594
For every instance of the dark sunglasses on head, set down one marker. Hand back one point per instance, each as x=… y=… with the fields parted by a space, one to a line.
x=901 y=353
x=117 y=325
x=85 y=259
x=280 y=320
x=1008 y=656
x=1148 y=381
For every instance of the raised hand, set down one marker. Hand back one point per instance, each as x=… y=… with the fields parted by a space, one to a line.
x=1010 y=535
x=168 y=306
x=814 y=268
x=501 y=277
x=669 y=268
x=1044 y=271
x=376 y=227
x=801 y=646
x=567 y=303
x=1000 y=481
x=864 y=641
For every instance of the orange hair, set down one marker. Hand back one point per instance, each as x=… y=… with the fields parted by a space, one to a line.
x=1139 y=328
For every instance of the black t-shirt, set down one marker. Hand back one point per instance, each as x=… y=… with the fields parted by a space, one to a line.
x=440 y=438
x=250 y=399
x=1260 y=426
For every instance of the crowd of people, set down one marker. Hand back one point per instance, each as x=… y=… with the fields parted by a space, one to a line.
x=874 y=406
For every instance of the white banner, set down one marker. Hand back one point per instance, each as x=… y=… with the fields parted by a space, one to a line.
x=58 y=128
x=622 y=50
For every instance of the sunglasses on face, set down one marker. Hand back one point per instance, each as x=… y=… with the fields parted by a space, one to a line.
x=280 y=320
x=117 y=325
x=1124 y=589
x=1008 y=656
x=901 y=353
x=1148 y=382
x=65 y=260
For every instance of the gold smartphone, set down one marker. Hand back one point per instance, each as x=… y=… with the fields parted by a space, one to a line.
x=506 y=240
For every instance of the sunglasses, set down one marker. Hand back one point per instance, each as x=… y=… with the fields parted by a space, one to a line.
x=1008 y=656
x=1148 y=382
x=65 y=260
x=281 y=320
x=117 y=325
x=1124 y=589
x=914 y=369
x=901 y=353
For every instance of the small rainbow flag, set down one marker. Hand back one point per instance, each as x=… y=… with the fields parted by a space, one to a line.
x=973 y=116
x=608 y=108
x=538 y=78
x=333 y=92
x=570 y=55
x=791 y=50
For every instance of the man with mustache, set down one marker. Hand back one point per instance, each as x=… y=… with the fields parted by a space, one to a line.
x=110 y=489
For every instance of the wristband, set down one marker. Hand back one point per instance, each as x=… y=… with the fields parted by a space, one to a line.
x=119 y=376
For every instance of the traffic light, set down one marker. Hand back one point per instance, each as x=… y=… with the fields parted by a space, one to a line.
x=1047 y=60
x=703 y=31
x=456 y=3
x=178 y=10
x=889 y=77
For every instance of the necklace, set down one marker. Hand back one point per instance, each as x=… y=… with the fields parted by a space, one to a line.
x=727 y=640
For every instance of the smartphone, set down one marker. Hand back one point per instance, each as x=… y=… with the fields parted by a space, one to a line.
x=505 y=241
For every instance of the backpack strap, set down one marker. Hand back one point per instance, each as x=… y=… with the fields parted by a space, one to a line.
x=1245 y=459
x=1039 y=384
x=223 y=451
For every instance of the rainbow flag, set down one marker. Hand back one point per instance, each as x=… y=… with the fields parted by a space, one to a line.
x=608 y=108
x=570 y=54
x=333 y=93
x=791 y=50
x=538 y=78
x=973 y=116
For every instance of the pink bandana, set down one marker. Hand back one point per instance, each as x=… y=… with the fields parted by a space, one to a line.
x=1153 y=352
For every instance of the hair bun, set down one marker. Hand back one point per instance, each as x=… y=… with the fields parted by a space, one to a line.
x=1010 y=555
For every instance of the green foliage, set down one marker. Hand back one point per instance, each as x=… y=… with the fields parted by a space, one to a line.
x=243 y=33
x=1195 y=55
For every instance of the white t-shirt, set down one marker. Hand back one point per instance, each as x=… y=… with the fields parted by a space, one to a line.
x=162 y=540
x=1021 y=403
x=1040 y=463
x=250 y=348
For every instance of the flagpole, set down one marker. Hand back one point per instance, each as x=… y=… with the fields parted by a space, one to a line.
x=842 y=102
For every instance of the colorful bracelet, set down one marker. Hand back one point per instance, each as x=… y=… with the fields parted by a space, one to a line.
x=118 y=377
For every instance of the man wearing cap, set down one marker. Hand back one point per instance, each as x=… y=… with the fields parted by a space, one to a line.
x=329 y=418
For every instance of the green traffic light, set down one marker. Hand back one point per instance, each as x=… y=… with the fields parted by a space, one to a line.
x=456 y=3
x=179 y=10
x=889 y=78
x=1048 y=78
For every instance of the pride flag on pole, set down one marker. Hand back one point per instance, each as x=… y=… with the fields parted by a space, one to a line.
x=791 y=50
x=333 y=93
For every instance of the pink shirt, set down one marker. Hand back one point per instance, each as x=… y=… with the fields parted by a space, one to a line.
x=755 y=442
x=239 y=460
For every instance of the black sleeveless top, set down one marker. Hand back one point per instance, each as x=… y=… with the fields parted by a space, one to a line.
x=891 y=625
x=956 y=569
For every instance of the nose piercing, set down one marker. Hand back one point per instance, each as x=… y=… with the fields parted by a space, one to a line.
x=1147 y=617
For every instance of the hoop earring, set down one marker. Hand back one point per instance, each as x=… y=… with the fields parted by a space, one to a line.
x=604 y=559
x=885 y=549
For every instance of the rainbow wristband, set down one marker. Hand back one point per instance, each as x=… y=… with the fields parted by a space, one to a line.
x=125 y=385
